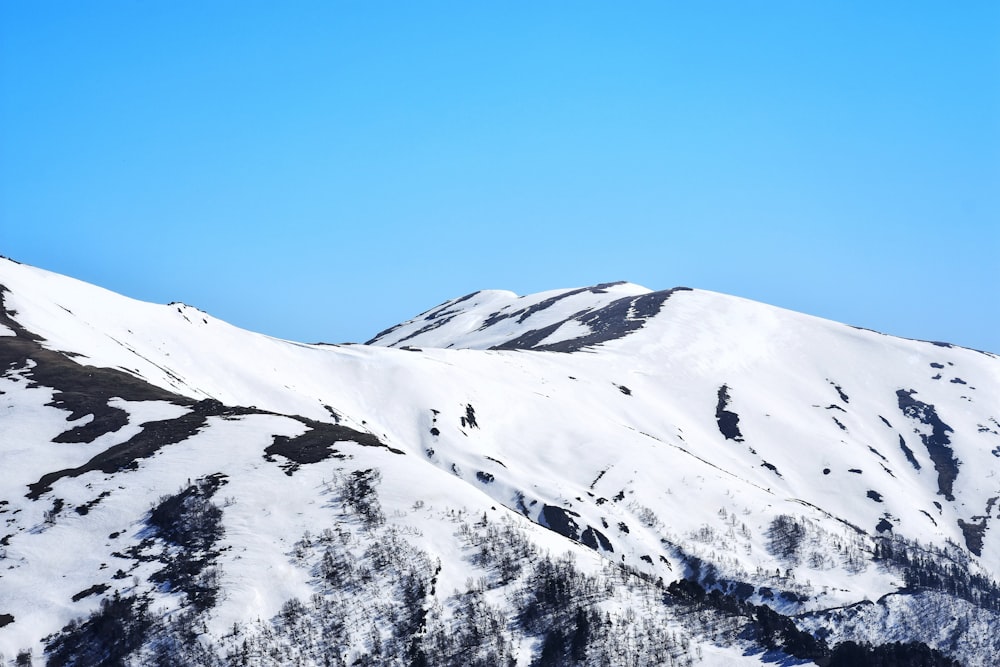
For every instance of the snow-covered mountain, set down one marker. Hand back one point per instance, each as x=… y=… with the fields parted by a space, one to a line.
x=606 y=475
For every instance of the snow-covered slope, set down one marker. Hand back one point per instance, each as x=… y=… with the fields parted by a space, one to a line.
x=564 y=474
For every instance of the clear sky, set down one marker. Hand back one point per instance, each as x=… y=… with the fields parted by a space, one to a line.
x=321 y=170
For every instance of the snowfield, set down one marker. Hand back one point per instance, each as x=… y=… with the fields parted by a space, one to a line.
x=604 y=475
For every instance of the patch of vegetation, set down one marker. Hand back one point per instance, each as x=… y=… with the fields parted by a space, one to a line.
x=359 y=494
x=189 y=524
x=107 y=638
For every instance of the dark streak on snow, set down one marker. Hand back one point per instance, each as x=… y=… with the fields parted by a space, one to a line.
x=527 y=312
x=840 y=391
x=909 y=453
x=433 y=314
x=615 y=320
x=937 y=443
x=125 y=456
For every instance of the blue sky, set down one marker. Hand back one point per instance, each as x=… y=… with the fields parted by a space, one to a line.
x=322 y=170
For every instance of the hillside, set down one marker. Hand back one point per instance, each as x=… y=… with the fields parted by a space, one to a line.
x=605 y=475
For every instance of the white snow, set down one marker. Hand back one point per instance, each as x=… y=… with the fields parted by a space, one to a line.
x=553 y=429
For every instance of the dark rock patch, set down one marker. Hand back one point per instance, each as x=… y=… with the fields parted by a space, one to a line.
x=974 y=532
x=484 y=477
x=937 y=442
x=839 y=424
x=856 y=471
x=934 y=364
x=561 y=521
x=883 y=526
x=86 y=507
x=318 y=444
x=96 y=589
x=771 y=467
x=6 y=619
x=623 y=389
x=728 y=421
x=470 y=417
x=958 y=381
x=875 y=495
x=595 y=539
x=885 y=421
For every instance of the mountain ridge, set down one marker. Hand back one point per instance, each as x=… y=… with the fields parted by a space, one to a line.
x=715 y=443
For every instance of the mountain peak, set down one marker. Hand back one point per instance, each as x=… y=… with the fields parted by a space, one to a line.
x=565 y=320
